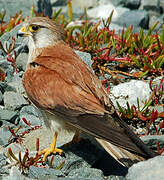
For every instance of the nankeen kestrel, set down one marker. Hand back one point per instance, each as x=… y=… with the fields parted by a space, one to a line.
x=70 y=96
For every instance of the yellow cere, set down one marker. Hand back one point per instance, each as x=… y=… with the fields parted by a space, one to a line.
x=23 y=29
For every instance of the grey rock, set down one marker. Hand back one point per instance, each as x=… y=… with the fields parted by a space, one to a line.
x=162 y=5
x=8 y=115
x=152 y=140
x=3 y=161
x=113 y=26
x=114 y=2
x=113 y=177
x=10 y=88
x=129 y=92
x=19 y=45
x=59 y=2
x=154 y=7
x=8 y=69
x=155 y=84
x=65 y=178
x=154 y=19
x=58 y=160
x=13 y=33
x=36 y=172
x=3 y=173
x=22 y=45
x=77 y=11
x=104 y=11
x=1 y=54
x=44 y=6
x=31 y=114
x=77 y=167
x=13 y=100
x=82 y=154
x=4 y=135
x=45 y=136
x=72 y=162
x=157 y=81
x=89 y=173
x=1 y=96
x=131 y=4
x=5 y=87
x=116 y=27
x=1 y=123
x=21 y=61
x=152 y=169
x=13 y=6
x=129 y=18
x=16 y=84
x=86 y=154
x=21 y=74
x=31 y=110
x=15 y=174
x=16 y=148
x=85 y=3
x=86 y=57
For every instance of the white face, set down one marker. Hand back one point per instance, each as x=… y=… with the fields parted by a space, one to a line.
x=38 y=35
x=41 y=38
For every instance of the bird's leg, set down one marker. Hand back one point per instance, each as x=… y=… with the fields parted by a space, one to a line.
x=51 y=149
x=74 y=140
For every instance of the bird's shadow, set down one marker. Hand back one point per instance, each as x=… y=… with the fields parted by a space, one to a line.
x=91 y=152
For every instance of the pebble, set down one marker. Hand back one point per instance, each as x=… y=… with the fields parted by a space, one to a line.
x=129 y=92
x=151 y=141
x=36 y=172
x=32 y=115
x=4 y=135
x=8 y=115
x=16 y=84
x=152 y=169
x=13 y=100
x=86 y=57
x=142 y=19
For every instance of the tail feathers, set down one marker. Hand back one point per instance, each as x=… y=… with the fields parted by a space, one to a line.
x=124 y=157
x=112 y=129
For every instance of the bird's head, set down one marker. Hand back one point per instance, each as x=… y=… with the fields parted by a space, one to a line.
x=41 y=32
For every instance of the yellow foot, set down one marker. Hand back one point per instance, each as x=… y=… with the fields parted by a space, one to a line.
x=51 y=149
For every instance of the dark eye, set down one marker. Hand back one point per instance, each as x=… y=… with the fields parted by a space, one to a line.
x=34 y=28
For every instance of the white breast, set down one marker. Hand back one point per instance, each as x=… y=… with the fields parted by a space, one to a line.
x=56 y=123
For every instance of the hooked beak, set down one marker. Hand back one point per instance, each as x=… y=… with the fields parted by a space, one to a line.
x=22 y=32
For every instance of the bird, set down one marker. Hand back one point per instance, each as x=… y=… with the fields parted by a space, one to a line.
x=71 y=97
